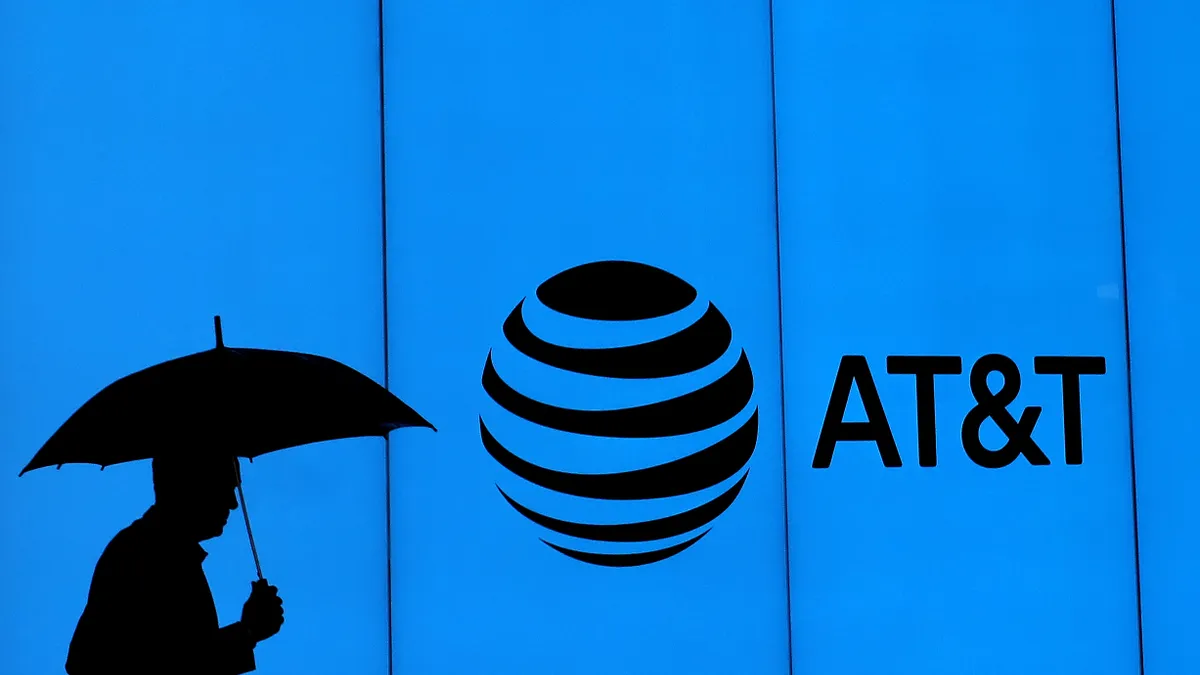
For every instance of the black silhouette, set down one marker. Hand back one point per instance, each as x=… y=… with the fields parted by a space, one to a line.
x=150 y=609
x=249 y=401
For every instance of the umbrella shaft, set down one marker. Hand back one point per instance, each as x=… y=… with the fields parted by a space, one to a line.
x=246 y=517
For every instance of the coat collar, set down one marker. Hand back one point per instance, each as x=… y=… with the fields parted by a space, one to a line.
x=153 y=520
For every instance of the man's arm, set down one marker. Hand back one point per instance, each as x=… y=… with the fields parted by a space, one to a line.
x=233 y=651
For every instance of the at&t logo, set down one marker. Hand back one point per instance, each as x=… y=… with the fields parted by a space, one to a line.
x=619 y=364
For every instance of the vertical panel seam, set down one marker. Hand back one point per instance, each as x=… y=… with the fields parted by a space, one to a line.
x=787 y=545
x=387 y=442
x=1137 y=561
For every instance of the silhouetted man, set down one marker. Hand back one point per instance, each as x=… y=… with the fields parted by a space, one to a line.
x=150 y=609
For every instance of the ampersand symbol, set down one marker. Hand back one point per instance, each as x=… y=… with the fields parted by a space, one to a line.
x=995 y=406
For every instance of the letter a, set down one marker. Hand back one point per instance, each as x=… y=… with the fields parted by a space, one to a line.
x=854 y=370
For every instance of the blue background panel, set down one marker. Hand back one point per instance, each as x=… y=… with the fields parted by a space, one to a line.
x=948 y=186
x=524 y=140
x=163 y=163
x=1156 y=55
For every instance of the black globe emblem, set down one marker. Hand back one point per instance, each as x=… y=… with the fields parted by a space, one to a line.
x=616 y=295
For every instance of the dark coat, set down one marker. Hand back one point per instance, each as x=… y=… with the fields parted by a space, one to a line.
x=150 y=611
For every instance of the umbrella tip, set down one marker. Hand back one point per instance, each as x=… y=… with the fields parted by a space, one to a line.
x=217 y=327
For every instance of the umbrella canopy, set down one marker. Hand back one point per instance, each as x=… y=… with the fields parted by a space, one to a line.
x=232 y=401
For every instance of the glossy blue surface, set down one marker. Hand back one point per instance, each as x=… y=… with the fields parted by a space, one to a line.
x=523 y=140
x=948 y=186
x=1159 y=95
x=164 y=163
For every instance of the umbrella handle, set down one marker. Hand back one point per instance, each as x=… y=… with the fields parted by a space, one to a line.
x=246 y=515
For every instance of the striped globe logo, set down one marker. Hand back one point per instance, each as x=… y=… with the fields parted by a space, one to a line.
x=621 y=412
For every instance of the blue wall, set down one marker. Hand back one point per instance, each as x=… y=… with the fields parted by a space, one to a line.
x=848 y=183
x=624 y=131
x=161 y=165
x=948 y=187
x=1160 y=142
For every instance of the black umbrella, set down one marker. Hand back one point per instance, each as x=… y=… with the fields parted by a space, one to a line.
x=228 y=400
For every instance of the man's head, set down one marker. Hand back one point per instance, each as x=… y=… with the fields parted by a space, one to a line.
x=197 y=493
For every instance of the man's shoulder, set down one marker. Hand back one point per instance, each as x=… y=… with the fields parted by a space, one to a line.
x=130 y=547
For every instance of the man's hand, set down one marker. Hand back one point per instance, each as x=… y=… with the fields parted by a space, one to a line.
x=262 y=615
